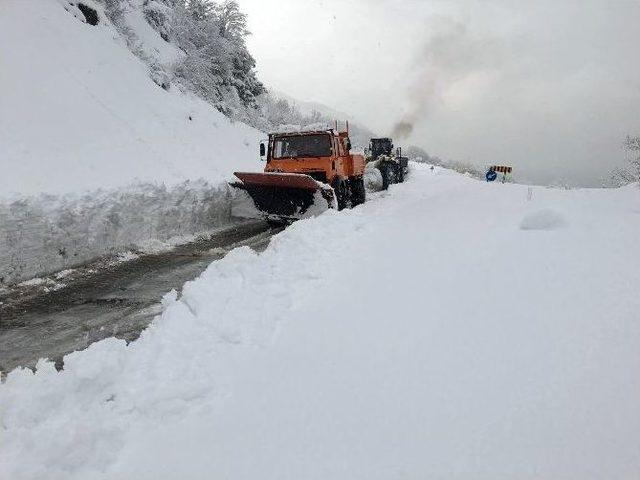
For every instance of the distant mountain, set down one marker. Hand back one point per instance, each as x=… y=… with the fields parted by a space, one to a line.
x=308 y=107
x=360 y=133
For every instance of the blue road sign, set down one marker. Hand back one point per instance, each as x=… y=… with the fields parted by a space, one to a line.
x=491 y=175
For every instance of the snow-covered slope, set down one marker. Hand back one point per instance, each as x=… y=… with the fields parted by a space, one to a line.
x=80 y=112
x=446 y=329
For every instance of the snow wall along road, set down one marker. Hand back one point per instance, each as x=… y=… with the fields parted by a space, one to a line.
x=45 y=234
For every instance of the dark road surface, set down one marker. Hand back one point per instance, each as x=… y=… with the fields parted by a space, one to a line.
x=118 y=301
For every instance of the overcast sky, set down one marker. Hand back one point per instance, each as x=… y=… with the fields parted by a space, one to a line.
x=550 y=87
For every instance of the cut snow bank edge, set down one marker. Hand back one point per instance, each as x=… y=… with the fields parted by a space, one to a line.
x=48 y=233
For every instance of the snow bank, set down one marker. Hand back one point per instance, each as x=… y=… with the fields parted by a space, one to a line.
x=546 y=219
x=95 y=155
x=372 y=178
x=48 y=233
x=423 y=334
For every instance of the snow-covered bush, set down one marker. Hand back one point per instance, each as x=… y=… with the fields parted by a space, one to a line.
x=157 y=15
x=620 y=177
x=160 y=77
x=114 y=9
x=632 y=145
x=630 y=173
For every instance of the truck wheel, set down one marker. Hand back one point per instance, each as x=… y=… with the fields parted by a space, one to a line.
x=400 y=173
x=388 y=175
x=341 y=189
x=277 y=223
x=358 y=191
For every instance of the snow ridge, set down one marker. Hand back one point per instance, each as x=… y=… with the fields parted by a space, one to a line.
x=48 y=233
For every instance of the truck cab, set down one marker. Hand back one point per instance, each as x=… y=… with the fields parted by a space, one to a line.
x=305 y=169
x=380 y=146
x=324 y=155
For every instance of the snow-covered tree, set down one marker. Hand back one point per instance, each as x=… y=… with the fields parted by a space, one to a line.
x=232 y=22
x=632 y=145
x=620 y=177
x=217 y=64
x=630 y=173
x=200 y=10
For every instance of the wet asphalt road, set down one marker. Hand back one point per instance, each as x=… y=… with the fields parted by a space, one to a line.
x=116 y=302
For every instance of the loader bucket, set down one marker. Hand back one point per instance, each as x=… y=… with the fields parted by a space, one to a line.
x=286 y=196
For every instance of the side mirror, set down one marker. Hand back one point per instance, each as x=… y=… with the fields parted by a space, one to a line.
x=348 y=144
x=263 y=151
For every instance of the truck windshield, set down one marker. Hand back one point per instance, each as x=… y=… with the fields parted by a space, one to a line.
x=302 y=146
x=381 y=146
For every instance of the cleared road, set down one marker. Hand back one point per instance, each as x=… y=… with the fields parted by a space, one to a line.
x=118 y=301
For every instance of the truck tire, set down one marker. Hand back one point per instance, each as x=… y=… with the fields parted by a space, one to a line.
x=388 y=175
x=277 y=224
x=342 y=193
x=400 y=173
x=358 y=191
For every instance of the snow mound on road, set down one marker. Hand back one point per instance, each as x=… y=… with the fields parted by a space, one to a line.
x=546 y=219
x=372 y=178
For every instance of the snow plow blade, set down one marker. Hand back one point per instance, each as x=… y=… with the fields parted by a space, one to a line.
x=285 y=196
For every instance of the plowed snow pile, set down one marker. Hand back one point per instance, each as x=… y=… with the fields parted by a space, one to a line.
x=422 y=335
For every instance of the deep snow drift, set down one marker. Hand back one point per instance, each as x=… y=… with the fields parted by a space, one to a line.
x=446 y=329
x=84 y=129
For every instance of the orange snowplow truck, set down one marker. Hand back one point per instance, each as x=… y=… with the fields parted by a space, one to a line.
x=306 y=172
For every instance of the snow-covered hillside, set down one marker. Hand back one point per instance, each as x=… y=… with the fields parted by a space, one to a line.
x=80 y=111
x=446 y=329
x=95 y=156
